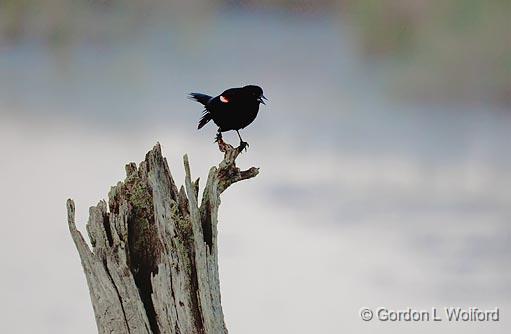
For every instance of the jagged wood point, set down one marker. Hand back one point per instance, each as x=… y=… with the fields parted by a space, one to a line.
x=153 y=267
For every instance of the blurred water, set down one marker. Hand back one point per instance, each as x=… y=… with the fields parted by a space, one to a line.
x=361 y=201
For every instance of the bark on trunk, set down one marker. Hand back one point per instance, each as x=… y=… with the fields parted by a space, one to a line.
x=153 y=267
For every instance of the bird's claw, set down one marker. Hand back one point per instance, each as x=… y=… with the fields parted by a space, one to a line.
x=243 y=146
x=218 y=137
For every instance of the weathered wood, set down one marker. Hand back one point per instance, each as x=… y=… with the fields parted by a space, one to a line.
x=153 y=267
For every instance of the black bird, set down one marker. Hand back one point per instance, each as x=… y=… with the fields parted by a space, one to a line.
x=234 y=109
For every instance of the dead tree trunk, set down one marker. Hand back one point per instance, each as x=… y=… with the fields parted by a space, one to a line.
x=153 y=267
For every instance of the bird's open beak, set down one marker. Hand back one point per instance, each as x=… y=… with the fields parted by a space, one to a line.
x=261 y=99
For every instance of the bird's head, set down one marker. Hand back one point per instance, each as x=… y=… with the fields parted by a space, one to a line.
x=256 y=92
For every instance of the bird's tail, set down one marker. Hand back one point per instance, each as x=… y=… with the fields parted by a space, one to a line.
x=206 y=117
x=201 y=98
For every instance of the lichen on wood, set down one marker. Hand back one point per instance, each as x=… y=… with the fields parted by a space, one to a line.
x=153 y=267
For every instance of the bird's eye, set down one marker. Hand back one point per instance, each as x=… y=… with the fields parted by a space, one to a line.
x=224 y=99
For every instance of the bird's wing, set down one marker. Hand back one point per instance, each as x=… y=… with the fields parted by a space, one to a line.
x=232 y=93
x=206 y=117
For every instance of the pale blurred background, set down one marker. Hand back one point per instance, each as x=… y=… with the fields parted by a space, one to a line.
x=384 y=152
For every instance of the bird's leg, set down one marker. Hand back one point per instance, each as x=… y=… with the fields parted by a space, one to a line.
x=243 y=145
x=218 y=136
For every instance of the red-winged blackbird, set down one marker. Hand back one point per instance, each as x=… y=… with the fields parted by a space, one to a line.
x=234 y=109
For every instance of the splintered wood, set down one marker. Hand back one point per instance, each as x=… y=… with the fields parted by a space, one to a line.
x=153 y=267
